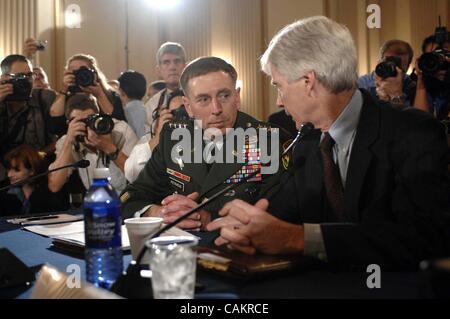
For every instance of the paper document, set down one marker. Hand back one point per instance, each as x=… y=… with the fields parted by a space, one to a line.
x=73 y=233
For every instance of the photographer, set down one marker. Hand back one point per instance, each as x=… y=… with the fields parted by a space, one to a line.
x=84 y=141
x=82 y=74
x=171 y=61
x=433 y=88
x=24 y=112
x=40 y=78
x=389 y=81
x=143 y=150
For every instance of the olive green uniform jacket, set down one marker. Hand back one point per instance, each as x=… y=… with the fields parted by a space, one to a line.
x=162 y=177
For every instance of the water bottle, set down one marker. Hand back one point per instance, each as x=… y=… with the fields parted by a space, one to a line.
x=102 y=224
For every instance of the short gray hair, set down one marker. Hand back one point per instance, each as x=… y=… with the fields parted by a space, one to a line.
x=315 y=44
x=173 y=48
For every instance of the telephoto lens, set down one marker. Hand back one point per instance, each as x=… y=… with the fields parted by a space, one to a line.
x=432 y=62
x=387 y=68
x=101 y=124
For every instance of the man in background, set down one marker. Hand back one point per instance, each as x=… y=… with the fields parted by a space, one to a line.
x=171 y=60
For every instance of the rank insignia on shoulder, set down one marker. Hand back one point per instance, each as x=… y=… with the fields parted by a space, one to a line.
x=125 y=197
x=287 y=157
x=268 y=127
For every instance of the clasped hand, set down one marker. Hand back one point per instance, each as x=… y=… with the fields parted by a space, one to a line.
x=176 y=205
x=249 y=229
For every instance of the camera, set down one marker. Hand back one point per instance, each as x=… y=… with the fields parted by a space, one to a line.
x=432 y=62
x=101 y=124
x=180 y=114
x=41 y=45
x=387 y=68
x=84 y=76
x=22 y=87
x=435 y=67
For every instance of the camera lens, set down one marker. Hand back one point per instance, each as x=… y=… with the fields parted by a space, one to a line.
x=430 y=62
x=388 y=67
x=100 y=124
x=22 y=87
x=385 y=70
x=104 y=125
x=84 y=77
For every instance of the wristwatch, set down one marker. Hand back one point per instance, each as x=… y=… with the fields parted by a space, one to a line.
x=113 y=156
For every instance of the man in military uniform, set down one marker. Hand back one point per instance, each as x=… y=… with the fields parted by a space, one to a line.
x=169 y=185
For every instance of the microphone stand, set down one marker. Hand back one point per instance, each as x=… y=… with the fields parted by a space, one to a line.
x=132 y=276
x=81 y=163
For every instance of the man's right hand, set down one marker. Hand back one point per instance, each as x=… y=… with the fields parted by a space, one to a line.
x=5 y=90
x=164 y=117
x=76 y=127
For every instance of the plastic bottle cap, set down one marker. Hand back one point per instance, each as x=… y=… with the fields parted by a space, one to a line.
x=102 y=173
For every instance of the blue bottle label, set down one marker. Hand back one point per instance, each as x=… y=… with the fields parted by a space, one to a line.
x=103 y=230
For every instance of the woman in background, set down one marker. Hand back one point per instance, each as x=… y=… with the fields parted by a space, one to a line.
x=31 y=198
x=108 y=100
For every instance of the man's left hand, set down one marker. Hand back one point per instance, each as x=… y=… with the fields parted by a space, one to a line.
x=251 y=228
x=177 y=205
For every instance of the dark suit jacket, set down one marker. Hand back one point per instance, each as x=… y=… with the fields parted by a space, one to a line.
x=395 y=193
x=281 y=119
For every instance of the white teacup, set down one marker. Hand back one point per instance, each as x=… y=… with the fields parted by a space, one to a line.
x=139 y=230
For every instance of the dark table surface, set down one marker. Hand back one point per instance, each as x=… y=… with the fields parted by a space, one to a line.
x=35 y=250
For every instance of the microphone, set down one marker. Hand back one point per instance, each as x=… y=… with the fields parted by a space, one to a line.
x=130 y=283
x=80 y=164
